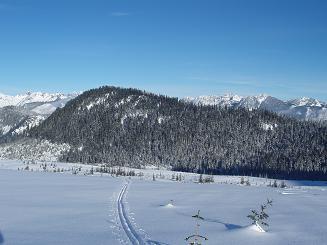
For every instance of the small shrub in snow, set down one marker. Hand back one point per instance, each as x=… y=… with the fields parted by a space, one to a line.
x=260 y=218
x=283 y=185
x=209 y=179
x=275 y=184
x=196 y=238
x=201 y=179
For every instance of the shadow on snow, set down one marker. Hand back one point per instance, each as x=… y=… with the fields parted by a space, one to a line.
x=2 y=240
x=227 y=225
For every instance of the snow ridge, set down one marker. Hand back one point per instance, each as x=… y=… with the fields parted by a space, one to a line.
x=21 y=112
x=32 y=97
x=303 y=108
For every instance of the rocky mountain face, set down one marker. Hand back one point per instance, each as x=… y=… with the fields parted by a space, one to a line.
x=22 y=112
x=302 y=109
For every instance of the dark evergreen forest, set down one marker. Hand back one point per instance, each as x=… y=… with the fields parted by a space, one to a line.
x=129 y=127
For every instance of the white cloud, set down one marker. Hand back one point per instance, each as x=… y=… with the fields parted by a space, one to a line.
x=119 y=14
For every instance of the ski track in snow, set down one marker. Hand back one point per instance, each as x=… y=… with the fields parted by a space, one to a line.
x=128 y=228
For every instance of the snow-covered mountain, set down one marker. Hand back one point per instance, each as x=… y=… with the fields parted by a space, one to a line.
x=302 y=109
x=130 y=127
x=36 y=99
x=306 y=102
x=225 y=100
x=21 y=112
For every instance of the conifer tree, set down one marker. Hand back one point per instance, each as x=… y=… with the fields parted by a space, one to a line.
x=201 y=179
x=260 y=218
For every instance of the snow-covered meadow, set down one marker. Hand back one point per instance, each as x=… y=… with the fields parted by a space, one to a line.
x=47 y=208
x=63 y=208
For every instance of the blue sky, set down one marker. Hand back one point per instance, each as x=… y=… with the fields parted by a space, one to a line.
x=174 y=47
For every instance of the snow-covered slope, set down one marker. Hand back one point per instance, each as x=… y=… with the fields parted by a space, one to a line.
x=225 y=100
x=30 y=149
x=253 y=102
x=306 y=102
x=39 y=209
x=32 y=97
x=39 y=206
x=21 y=112
x=302 y=109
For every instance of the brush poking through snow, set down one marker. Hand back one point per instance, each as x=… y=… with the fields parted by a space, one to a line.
x=90 y=215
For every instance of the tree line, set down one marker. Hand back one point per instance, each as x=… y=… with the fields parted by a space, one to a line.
x=129 y=127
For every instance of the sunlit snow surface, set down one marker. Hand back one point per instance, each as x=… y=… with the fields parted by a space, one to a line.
x=47 y=208
x=300 y=218
x=61 y=208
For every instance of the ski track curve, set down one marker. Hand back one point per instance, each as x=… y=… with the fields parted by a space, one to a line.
x=127 y=226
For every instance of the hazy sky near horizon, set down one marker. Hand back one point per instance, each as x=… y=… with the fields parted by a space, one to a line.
x=173 y=47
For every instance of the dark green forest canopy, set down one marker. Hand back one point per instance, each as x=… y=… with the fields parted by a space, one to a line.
x=129 y=127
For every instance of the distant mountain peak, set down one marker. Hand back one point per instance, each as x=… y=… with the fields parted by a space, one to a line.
x=306 y=101
x=303 y=108
x=228 y=99
x=262 y=97
x=21 y=112
x=32 y=97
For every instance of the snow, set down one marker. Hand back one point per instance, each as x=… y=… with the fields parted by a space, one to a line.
x=135 y=114
x=160 y=120
x=124 y=101
x=44 y=208
x=256 y=228
x=224 y=100
x=54 y=208
x=45 y=109
x=231 y=99
x=268 y=126
x=31 y=97
x=7 y=100
x=315 y=110
x=97 y=102
x=299 y=219
x=30 y=123
x=305 y=101
x=122 y=120
x=261 y=98
x=33 y=149
x=169 y=205
x=6 y=129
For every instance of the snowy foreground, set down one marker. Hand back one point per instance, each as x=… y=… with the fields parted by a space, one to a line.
x=61 y=208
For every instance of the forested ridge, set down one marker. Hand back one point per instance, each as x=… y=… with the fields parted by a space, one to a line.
x=129 y=127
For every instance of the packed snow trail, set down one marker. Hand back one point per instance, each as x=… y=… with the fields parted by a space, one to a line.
x=132 y=235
